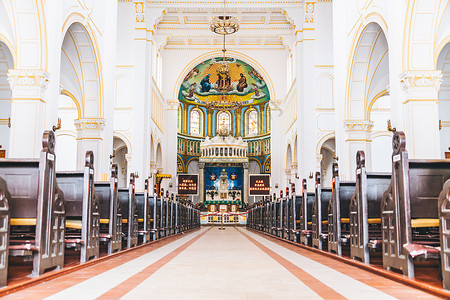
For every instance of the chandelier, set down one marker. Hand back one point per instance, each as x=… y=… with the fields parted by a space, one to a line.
x=224 y=25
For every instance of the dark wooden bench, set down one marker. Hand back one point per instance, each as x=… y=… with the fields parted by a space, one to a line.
x=287 y=217
x=338 y=212
x=319 y=213
x=5 y=199
x=37 y=208
x=365 y=211
x=82 y=210
x=161 y=216
x=411 y=201
x=307 y=201
x=444 y=222
x=129 y=213
x=110 y=212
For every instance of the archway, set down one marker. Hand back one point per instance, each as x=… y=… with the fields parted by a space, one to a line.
x=6 y=63
x=120 y=159
x=367 y=101
x=80 y=78
x=328 y=153
x=66 y=138
x=443 y=64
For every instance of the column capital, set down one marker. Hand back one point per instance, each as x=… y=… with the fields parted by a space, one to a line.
x=358 y=125
x=128 y=157
x=421 y=84
x=201 y=165
x=89 y=124
x=414 y=78
x=245 y=165
x=28 y=83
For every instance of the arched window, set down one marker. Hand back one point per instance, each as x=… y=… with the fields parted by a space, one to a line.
x=224 y=119
x=180 y=118
x=252 y=122
x=268 y=119
x=196 y=122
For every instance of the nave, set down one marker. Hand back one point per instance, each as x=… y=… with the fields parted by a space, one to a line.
x=235 y=263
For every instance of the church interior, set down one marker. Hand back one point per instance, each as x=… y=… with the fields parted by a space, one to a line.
x=181 y=149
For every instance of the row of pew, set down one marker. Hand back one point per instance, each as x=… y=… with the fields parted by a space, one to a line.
x=405 y=214
x=44 y=213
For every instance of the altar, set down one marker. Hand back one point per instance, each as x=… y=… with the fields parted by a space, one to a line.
x=223 y=167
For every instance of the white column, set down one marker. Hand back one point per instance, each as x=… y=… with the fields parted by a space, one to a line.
x=357 y=137
x=27 y=112
x=245 y=182
x=201 y=182
x=421 y=115
x=89 y=137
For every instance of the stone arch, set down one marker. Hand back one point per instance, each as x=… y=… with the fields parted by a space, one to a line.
x=421 y=47
x=6 y=63
x=327 y=154
x=217 y=53
x=120 y=159
x=369 y=71
x=158 y=158
x=80 y=67
x=66 y=138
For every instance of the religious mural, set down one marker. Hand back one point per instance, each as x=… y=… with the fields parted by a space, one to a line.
x=210 y=79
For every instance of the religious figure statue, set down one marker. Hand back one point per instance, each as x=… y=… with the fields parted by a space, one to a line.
x=205 y=84
x=242 y=84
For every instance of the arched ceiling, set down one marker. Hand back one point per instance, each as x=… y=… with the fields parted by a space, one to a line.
x=202 y=82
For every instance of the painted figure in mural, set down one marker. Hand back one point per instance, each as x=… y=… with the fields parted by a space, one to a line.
x=191 y=91
x=192 y=73
x=255 y=88
x=242 y=84
x=205 y=84
x=223 y=82
x=255 y=75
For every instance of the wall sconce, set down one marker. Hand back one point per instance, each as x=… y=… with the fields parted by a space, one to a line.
x=9 y=122
x=276 y=185
x=389 y=127
x=440 y=124
x=136 y=175
x=113 y=154
x=57 y=127
x=311 y=175
x=170 y=184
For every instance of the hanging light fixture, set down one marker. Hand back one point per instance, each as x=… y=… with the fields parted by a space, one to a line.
x=224 y=25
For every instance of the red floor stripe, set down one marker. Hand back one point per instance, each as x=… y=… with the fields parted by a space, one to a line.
x=313 y=283
x=132 y=282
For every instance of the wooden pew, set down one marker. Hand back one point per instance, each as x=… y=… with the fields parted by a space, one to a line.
x=161 y=216
x=411 y=197
x=444 y=222
x=306 y=205
x=5 y=199
x=319 y=212
x=82 y=209
x=365 y=212
x=110 y=212
x=287 y=215
x=129 y=213
x=36 y=204
x=338 y=212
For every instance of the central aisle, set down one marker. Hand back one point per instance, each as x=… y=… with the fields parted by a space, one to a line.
x=210 y=263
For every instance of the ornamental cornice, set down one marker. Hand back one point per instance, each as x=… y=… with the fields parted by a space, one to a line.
x=220 y=2
x=431 y=79
x=358 y=125
x=28 y=77
x=90 y=124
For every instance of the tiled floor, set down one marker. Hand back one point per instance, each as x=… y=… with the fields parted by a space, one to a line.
x=234 y=263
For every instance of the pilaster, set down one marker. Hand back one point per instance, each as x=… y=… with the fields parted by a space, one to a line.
x=201 y=182
x=357 y=137
x=27 y=111
x=421 y=115
x=246 y=181
x=89 y=137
